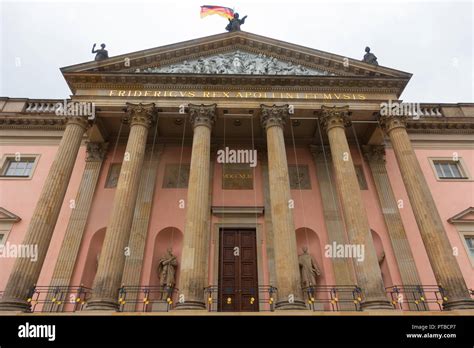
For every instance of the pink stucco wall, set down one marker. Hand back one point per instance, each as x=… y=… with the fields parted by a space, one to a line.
x=20 y=197
x=308 y=215
x=450 y=197
x=167 y=221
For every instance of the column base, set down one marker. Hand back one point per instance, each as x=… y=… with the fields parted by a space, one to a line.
x=372 y=305
x=102 y=305
x=465 y=303
x=190 y=305
x=285 y=305
x=14 y=305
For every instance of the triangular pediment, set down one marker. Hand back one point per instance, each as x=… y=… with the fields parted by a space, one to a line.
x=466 y=216
x=212 y=60
x=288 y=58
x=6 y=215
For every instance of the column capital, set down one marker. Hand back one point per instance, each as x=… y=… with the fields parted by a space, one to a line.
x=81 y=121
x=274 y=115
x=202 y=115
x=374 y=153
x=139 y=114
x=334 y=116
x=321 y=152
x=95 y=152
x=390 y=122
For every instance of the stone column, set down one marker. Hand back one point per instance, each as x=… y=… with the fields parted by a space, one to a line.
x=369 y=278
x=375 y=155
x=64 y=267
x=268 y=217
x=343 y=266
x=194 y=259
x=25 y=273
x=112 y=257
x=343 y=269
x=288 y=280
x=139 y=230
x=444 y=264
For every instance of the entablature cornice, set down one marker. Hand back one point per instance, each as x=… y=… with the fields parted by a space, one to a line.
x=233 y=82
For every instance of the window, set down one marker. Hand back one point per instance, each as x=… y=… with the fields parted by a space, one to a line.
x=7 y=219
x=464 y=223
x=448 y=169
x=21 y=168
x=470 y=245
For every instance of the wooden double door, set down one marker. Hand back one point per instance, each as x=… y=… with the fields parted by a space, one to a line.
x=238 y=278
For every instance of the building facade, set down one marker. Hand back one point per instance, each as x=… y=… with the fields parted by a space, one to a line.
x=235 y=173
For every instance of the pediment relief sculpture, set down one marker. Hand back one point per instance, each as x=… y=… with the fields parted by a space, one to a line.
x=237 y=62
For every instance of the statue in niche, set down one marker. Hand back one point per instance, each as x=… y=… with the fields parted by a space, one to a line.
x=167 y=271
x=97 y=261
x=101 y=53
x=235 y=23
x=309 y=269
x=370 y=57
x=381 y=258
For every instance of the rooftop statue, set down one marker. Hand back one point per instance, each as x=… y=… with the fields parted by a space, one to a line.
x=235 y=23
x=101 y=53
x=370 y=57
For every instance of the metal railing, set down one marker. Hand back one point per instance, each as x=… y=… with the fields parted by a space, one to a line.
x=147 y=298
x=163 y=299
x=264 y=296
x=58 y=298
x=417 y=297
x=333 y=298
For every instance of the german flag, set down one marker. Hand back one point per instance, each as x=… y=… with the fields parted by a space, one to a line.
x=208 y=10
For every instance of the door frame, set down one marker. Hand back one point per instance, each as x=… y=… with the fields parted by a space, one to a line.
x=258 y=241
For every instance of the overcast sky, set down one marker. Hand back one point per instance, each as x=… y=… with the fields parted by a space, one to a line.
x=433 y=40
